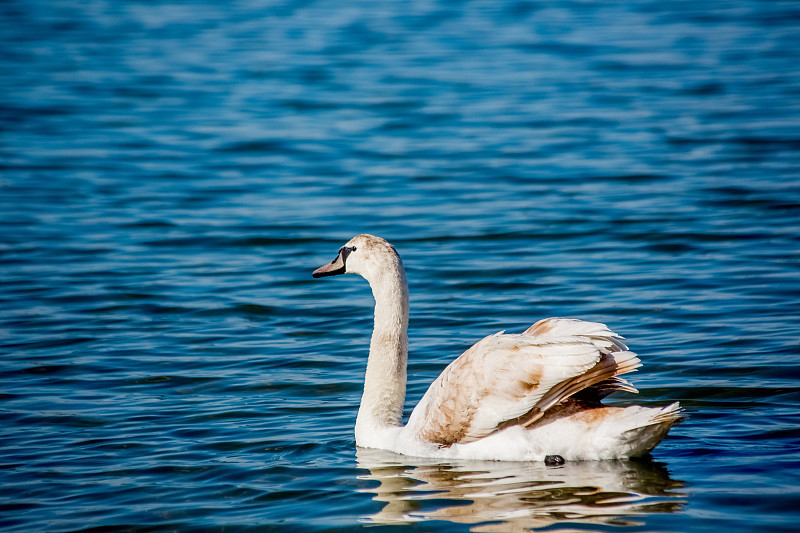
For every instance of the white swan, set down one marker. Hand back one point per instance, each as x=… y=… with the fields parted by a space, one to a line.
x=513 y=397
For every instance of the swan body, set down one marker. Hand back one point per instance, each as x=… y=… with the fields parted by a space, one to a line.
x=510 y=397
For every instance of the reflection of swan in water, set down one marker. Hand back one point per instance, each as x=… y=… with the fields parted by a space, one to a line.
x=503 y=496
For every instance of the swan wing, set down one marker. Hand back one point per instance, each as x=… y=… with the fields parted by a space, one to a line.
x=512 y=379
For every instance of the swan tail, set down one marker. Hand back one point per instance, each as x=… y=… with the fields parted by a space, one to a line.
x=648 y=426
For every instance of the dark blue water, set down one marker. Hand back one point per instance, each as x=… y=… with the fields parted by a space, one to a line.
x=172 y=172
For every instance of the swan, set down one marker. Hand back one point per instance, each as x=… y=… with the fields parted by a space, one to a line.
x=530 y=396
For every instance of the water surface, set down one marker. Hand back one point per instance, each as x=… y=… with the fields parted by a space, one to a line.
x=171 y=173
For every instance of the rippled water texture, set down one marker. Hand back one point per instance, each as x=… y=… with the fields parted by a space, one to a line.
x=172 y=172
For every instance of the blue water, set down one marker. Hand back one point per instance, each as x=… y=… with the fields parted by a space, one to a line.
x=172 y=172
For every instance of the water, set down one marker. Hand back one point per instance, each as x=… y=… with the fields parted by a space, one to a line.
x=171 y=173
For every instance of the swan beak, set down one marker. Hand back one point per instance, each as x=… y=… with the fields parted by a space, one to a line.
x=331 y=269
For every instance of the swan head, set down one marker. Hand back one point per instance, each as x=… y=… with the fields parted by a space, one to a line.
x=366 y=255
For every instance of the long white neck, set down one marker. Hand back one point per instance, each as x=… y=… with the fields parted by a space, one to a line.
x=385 y=379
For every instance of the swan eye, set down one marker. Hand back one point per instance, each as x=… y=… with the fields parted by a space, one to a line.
x=344 y=251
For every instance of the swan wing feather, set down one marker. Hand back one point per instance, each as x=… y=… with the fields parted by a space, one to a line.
x=510 y=379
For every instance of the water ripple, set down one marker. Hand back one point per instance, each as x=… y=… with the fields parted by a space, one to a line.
x=170 y=174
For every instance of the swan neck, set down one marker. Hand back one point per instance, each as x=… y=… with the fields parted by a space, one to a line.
x=385 y=380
